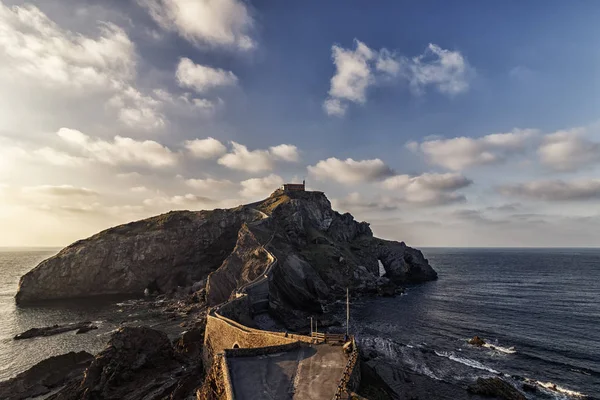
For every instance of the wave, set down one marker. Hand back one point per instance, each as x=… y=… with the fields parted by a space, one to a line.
x=506 y=350
x=466 y=361
x=558 y=389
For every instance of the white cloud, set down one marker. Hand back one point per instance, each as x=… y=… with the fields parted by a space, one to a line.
x=428 y=188
x=59 y=158
x=209 y=184
x=138 y=110
x=224 y=23
x=37 y=52
x=59 y=191
x=335 y=107
x=180 y=201
x=129 y=175
x=241 y=158
x=260 y=187
x=446 y=70
x=462 y=152
x=357 y=70
x=33 y=45
x=355 y=201
x=427 y=181
x=205 y=148
x=350 y=171
x=555 y=190
x=202 y=78
x=285 y=152
x=569 y=150
x=353 y=73
x=121 y=151
x=139 y=189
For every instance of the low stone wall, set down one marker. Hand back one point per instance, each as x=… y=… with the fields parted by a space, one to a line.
x=223 y=334
x=227 y=379
x=261 y=351
x=350 y=377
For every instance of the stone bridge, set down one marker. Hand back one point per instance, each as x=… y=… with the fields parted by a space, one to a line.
x=258 y=364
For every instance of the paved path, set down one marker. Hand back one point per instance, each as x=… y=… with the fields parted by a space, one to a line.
x=309 y=373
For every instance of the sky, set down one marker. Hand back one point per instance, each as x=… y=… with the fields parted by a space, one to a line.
x=464 y=124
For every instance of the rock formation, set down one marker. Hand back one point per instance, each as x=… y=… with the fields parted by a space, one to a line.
x=162 y=252
x=139 y=363
x=45 y=376
x=80 y=327
x=320 y=252
x=496 y=387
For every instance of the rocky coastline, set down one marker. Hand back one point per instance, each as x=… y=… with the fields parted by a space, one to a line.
x=186 y=262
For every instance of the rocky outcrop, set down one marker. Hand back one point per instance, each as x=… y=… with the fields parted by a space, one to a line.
x=243 y=265
x=46 y=375
x=170 y=250
x=139 y=363
x=476 y=341
x=496 y=387
x=320 y=253
x=80 y=327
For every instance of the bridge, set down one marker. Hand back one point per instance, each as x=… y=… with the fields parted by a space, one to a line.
x=257 y=364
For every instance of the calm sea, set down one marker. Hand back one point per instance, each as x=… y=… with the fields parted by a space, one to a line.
x=107 y=314
x=539 y=308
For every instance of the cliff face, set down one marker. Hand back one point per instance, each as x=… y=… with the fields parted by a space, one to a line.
x=163 y=252
x=320 y=252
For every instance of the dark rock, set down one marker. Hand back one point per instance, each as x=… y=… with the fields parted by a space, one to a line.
x=190 y=342
x=527 y=387
x=477 y=341
x=86 y=329
x=55 y=330
x=495 y=387
x=385 y=287
x=46 y=375
x=158 y=253
x=138 y=363
x=315 y=249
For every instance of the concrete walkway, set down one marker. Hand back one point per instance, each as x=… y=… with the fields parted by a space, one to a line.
x=309 y=373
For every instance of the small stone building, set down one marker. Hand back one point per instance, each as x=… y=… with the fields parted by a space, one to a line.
x=294 y=187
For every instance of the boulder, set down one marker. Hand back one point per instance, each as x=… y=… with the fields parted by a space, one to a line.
x=495 y=387
x=139 y=363
x=477 y=341
x=46 y=376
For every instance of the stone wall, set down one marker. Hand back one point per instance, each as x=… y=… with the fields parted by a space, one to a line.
x=261 y=351
x=222 y=334
x=350 y=377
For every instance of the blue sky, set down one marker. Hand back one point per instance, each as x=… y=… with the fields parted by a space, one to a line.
x=444 y=124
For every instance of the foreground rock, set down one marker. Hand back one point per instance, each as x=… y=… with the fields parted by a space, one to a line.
x=477 y=341
x=139 y=363
x=46 y=375
x=80 y=327
x=496 y=387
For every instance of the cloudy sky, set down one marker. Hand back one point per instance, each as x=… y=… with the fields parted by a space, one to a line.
x=476 y=125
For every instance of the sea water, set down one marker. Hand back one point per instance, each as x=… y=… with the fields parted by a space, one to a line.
x=538 y=309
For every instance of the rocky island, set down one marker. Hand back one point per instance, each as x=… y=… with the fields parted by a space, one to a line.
x=284 y=259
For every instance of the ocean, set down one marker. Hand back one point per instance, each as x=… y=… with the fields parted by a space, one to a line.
x=107 y=313
x=538 y=308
